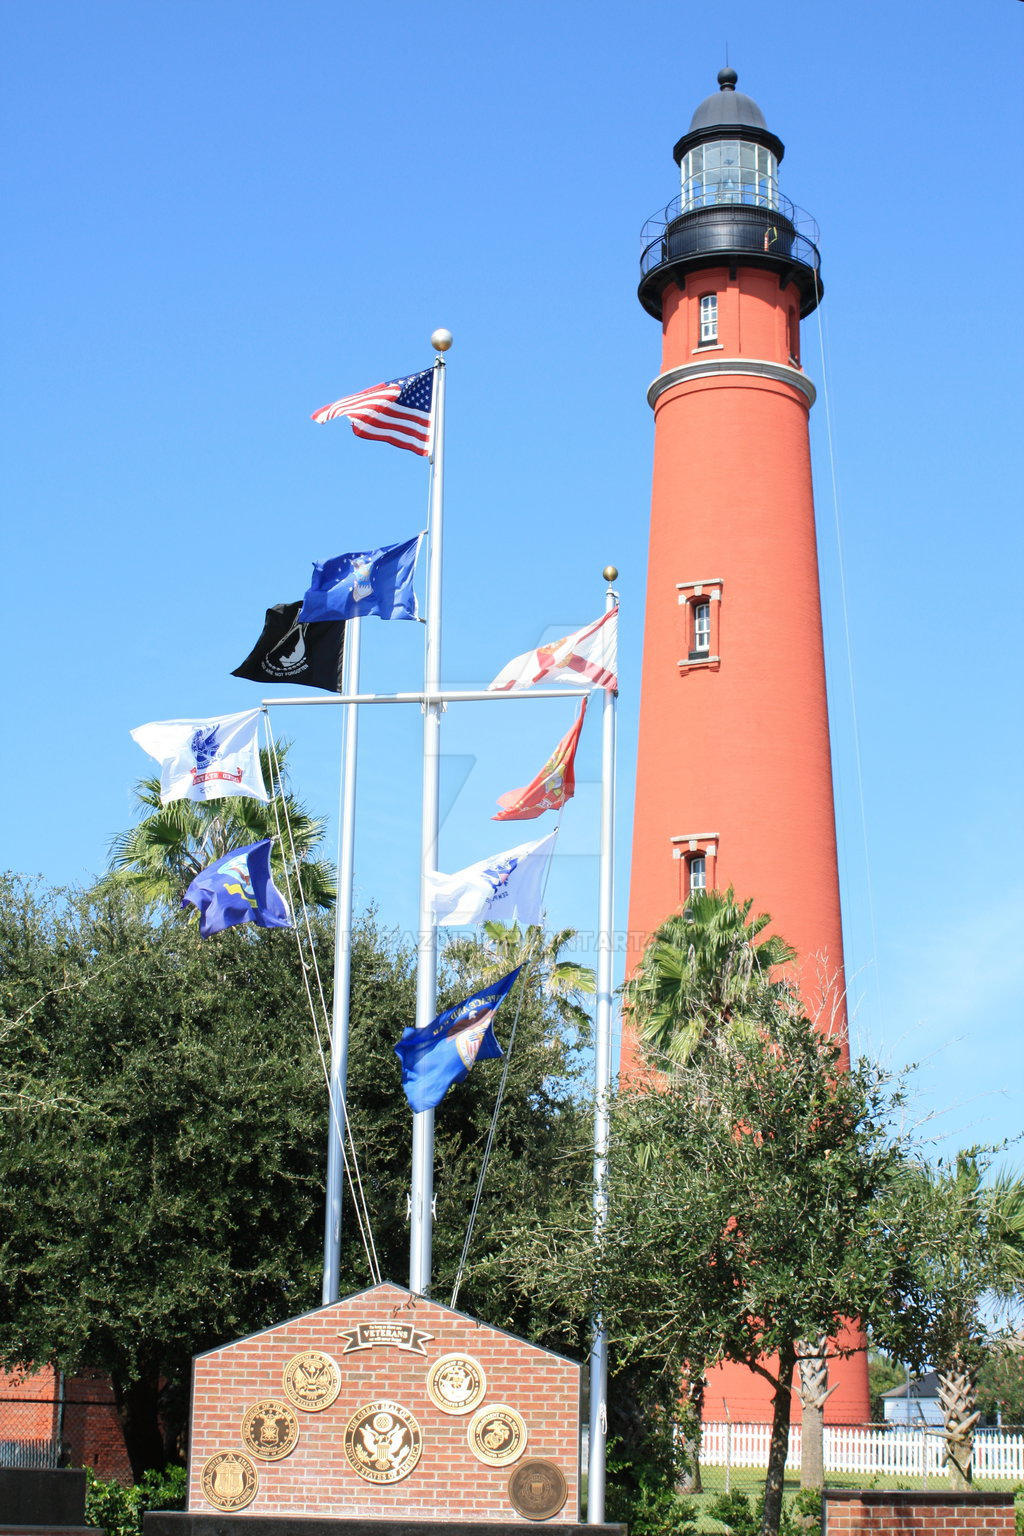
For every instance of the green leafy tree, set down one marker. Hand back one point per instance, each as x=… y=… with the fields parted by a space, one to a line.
x=884 y=1373
x=161 y=855
x=754 y=1225
x=1001 y=1381
x=180 y=1204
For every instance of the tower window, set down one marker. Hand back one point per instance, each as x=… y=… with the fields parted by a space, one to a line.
x=708 y=318
x=701 y=628
x=696 y=872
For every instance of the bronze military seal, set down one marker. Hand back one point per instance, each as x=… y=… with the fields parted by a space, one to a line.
x=456 y=1383
x=497 y=1435
x=382 y=1442
x=229 y=1481
x=311 y=1380
x=537 y=1489
x=270 y=1429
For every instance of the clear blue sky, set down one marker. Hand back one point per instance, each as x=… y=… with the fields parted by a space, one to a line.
x=218 y=217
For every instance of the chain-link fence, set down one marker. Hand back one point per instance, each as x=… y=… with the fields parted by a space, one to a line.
x=40 y=1432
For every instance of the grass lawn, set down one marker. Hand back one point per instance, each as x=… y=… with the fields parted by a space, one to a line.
x=751 y=1480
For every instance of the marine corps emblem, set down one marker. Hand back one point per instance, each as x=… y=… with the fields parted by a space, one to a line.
x=382 y=1442
x=229 y=1481
x=497 y=1435
x=537 y=1489
x=456 y=1383
x=270 y=1430
x=311 y=1380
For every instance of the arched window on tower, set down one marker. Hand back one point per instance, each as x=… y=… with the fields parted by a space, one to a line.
x=696 y=873
x=708 y=319
x=794 y=334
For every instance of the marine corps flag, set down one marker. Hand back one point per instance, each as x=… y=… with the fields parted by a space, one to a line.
x=552 y=786
x=290 y=652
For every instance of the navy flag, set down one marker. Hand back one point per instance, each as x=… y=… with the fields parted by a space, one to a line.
x=291 y=652
x=442 y=1052
x=238 y=888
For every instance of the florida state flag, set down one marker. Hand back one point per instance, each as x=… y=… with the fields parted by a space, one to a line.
x=553 y=785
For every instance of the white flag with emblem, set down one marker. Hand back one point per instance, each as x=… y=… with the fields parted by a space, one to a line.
x=506 y=887
x=205 y=759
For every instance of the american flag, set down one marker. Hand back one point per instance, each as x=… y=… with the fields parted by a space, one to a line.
x=396 y=412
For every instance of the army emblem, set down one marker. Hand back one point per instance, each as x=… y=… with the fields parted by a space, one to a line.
x=456 y=1383
x=270 y=1430
x=537 y=1489
x=382 y=1442
x=497 y=1435
x=311 y=1380
x=229 y=1481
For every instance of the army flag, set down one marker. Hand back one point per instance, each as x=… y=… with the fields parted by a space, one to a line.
x=588 y=656
x=442 y=1052
x=289 y=651
x=552 y=786
x=205 y=759
x=238 y=888
x=507 y=887
x=370 y=582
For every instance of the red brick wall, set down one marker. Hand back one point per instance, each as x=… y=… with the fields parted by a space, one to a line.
x=852 y=1512
x=91 y=1430
x=449 y=1481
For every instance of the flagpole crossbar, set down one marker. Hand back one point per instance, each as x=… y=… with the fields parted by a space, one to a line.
x=443 y=696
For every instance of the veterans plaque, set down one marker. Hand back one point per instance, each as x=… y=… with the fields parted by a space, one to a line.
x=229 y=1481
x=497 y=1435
x=456 y=1383
x=382 y=1442
x=270 y=1430
x=311 y=1380
x=537 y=1489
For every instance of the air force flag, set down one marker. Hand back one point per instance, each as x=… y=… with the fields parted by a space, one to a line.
x=371 y=581
x=506 y=886
x=205 y=759
x=239 y=888
x=441 y=1053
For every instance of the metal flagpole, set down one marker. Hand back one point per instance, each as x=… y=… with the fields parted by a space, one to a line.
x=602 y=1084
x=422 y=1193
x=342 y=970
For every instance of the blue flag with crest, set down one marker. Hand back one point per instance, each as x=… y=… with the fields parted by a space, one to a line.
x=442 y=1052
x=238 y=888
x=369 y=582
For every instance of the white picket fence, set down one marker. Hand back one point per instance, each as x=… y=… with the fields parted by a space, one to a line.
x=893 y=1450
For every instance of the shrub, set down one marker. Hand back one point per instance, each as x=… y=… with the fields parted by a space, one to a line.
x=118 y=1511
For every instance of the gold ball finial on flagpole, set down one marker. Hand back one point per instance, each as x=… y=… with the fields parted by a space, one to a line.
x=610 y=573
x=441 y=340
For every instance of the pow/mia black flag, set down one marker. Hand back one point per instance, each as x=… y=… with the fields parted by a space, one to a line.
x=290 y=652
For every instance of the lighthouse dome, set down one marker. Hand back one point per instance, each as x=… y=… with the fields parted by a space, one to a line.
x=727 y=107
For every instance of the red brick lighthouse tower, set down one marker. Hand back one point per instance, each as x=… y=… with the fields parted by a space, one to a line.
x=734 y=779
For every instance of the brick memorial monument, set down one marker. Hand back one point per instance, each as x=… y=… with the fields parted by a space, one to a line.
x=382 y=1407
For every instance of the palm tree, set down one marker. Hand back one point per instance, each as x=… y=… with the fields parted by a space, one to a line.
x=502 y=946
x=161 y=855
x=965 y=1266
x=705 y=971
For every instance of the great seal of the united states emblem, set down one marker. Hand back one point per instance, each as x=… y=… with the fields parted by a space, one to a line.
x=229 y=1481
x=537 y=1489
x=497 y=1435
x=311 y=1380
x=270 y=1429
x=382 y=1442
x=456 y=1383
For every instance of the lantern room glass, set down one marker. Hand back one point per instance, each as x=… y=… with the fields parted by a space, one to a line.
x=729 y=171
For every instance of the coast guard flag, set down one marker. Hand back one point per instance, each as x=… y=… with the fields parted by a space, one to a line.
x=372 y=581
x=441 y=1053
x=396 y=412
x=290 y=652
x=239 y=888
x=505 y=886
x=552 y=786
x=205 y=759
x=589 y=655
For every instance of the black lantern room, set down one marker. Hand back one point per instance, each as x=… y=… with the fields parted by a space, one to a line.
x=730 y=211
